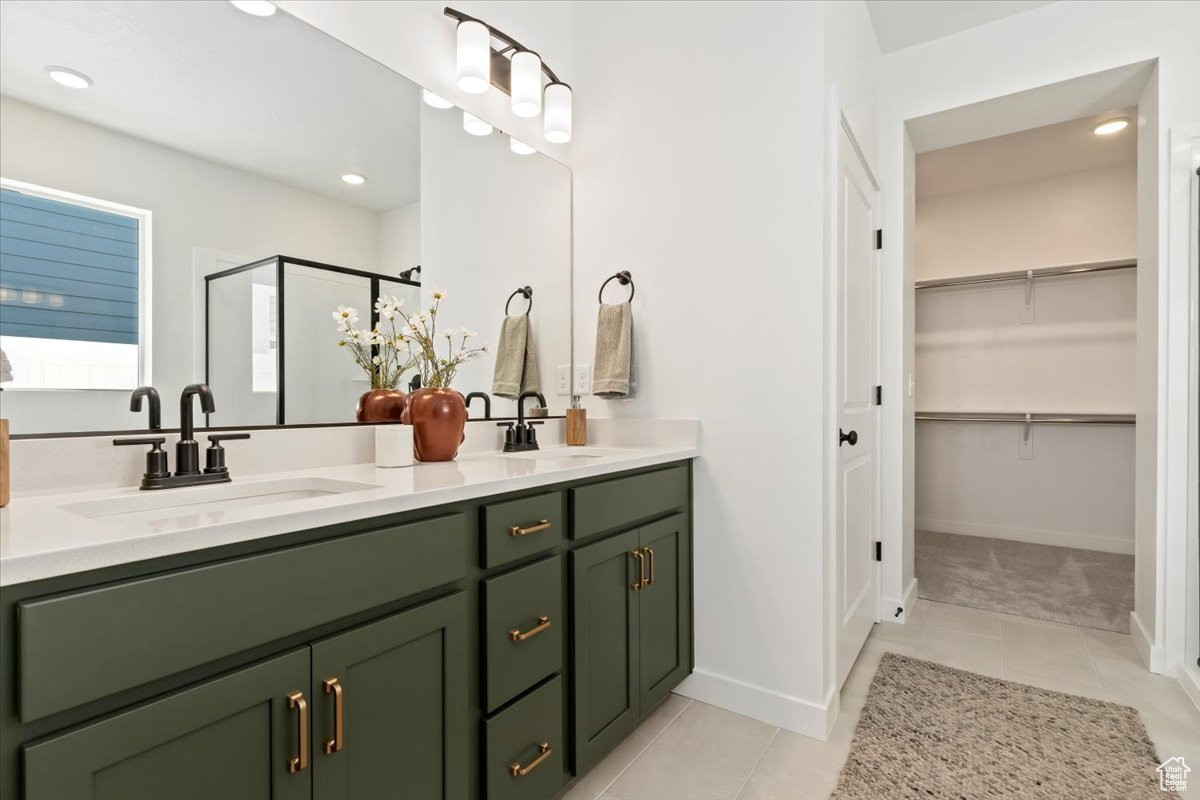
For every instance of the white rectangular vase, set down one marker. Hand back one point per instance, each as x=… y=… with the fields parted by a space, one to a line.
x=393 y=445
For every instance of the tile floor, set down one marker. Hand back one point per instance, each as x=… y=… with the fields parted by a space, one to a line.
x=687 y=750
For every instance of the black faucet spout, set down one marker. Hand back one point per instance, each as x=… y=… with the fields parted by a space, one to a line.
x=151 y=395
x=187 y=428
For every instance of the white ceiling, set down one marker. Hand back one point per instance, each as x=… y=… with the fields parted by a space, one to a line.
x=1026 y=155
x=904 y=23
x=271 y=96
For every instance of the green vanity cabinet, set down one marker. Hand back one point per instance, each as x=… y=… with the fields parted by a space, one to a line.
x=400 y=687
x=233 y=738
x=631 y=618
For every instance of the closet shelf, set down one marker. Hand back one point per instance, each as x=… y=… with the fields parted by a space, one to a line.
x=1026 y=274
x=1035 y=419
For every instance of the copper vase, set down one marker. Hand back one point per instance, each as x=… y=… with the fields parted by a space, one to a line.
x=439 y=420
x=380 y=405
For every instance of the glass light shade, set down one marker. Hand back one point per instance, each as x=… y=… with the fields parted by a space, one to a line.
x=558 y=113
x=474 y=57
x=526 y=84
x=519 y=147
x=474 y=125
x=437 y=101
x=259 y=8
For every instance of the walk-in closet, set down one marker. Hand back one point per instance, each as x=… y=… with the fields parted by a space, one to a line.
x=1026 y=372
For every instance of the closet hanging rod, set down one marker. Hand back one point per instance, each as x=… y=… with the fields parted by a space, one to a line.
x=1022 y=274
x=1035 y=419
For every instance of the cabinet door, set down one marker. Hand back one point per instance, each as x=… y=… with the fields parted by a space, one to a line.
x=665 y=609
x=231 y=738
x=604 y=618
x=403 y=695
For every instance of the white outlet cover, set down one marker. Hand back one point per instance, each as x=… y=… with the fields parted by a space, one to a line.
x=583 y=378
x=563 y=380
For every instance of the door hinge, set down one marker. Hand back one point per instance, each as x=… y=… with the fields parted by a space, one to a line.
x=878 y=395
x=879 y=238
x=879 y=551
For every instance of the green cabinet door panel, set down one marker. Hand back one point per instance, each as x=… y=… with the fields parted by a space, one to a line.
x=605 y=646
x=229 y=738
x=135 y=632
x=515 y=738
x=664 y=615
x=518 y=601
x=404 y=705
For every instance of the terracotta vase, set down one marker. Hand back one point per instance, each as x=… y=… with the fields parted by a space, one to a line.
x=439 y=420
x=380 y=405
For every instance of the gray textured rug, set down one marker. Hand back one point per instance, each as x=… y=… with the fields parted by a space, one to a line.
x=1061 y=584
x=931 y=732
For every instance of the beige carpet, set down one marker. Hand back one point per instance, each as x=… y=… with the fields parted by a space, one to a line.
x=929 y=731
x=1061 y=584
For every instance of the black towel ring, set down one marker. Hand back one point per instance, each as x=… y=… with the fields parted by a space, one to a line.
x=527 y=293
x=625 y=279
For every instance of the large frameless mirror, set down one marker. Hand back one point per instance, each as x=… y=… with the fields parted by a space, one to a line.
x=190 y=192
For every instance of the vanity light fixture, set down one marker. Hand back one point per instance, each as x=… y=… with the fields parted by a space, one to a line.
x=354 y=178
x=519 y=147
x=1110 y=126
x=257 y=8
x=437 y=101
x=513 y=69
x=70 y=78
x=474 y=125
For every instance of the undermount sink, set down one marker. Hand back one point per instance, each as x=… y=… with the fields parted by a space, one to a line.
x=210 y=499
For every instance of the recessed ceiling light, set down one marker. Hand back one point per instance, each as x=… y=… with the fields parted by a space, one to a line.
x=437 y=101
x=1110 y=126
x=354 y=179
x=258 y=8
x=70 y=78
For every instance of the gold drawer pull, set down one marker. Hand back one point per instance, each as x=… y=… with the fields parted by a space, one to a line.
x=517 y=636
x=641 y=559
x=544 y=751
x=649 y=581
x=296 y=700
x=517 y=530
x=334 y=745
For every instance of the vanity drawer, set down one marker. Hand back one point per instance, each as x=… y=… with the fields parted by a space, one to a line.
x=520 y=528
x=616 y=504
x=517 y=653
x=78 y=647
x=519 y=735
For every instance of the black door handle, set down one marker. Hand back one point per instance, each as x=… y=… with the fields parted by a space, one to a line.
x=851 y=437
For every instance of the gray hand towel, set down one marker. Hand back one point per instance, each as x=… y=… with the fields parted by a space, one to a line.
x=516 y=359
x=613 y=364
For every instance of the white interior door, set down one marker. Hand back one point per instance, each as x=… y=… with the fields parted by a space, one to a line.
x=856 y=573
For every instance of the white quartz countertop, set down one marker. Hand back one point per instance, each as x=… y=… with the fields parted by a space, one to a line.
x=41 y=538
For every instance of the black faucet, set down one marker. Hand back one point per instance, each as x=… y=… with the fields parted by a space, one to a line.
x=487 y=403
x=151 y=394
x=525 y=436
x=187 y=450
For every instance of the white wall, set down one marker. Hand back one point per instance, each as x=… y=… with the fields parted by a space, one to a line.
x=712 y=196
x=1054 y=43
x=400 y=239
x=195 y=203
x=417 y=40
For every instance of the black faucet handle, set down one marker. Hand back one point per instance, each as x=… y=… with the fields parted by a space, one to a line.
x=214 y=456
x=156 y=457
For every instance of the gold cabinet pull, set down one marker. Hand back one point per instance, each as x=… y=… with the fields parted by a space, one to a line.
x=517 y=636
x=544 y=751
x=641 y=559
x=296 y=700
x=649 y=581
x=517 y=530
x=334 y=745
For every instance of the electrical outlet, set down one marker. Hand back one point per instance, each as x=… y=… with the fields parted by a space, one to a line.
x=583 y=379
x=564 y=380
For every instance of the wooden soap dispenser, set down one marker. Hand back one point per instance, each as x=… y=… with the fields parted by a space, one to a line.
x=576 y=423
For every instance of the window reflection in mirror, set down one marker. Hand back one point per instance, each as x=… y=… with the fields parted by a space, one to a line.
x=193 y=153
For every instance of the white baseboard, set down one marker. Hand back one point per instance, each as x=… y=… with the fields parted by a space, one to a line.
x=1189 y=679
x=783 y=711
x=1151 y=654
x=1081 y=541
x=888 y=605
